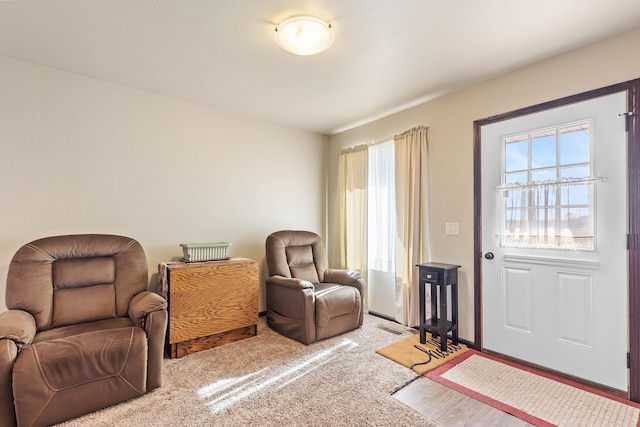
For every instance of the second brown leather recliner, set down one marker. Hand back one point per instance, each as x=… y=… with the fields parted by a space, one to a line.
x=82 y=331
x=306 y=300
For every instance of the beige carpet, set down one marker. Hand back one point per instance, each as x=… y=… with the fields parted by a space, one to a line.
x=421 y=357
x=536 y=397
x=269 y=380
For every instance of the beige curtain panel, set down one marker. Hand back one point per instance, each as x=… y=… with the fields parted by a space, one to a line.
x=412 y=204
x=351 y=224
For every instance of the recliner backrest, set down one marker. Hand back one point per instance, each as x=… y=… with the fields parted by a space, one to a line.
x=64 y=280
x=296 y=254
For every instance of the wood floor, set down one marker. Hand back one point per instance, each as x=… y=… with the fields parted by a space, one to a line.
x=451 y=408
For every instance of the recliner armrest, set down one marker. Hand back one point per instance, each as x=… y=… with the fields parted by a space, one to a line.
x=289 y=282
x=18 y=326
x=144 y=303
x=342 y=277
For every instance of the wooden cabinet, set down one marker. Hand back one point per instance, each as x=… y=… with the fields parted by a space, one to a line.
x=210 y=304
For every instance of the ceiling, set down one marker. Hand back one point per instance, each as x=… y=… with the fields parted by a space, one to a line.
x=388 y=55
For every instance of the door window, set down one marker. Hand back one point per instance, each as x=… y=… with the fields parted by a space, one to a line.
x=547 y=188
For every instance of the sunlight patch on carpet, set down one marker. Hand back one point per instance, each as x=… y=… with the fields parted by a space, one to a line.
x=218 y=386
x=227 y=392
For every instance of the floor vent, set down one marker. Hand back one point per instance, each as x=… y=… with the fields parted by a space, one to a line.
x=392 y=330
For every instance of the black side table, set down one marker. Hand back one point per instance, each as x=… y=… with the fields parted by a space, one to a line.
x=439 y=276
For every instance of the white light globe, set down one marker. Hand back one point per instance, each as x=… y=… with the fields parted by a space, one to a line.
x=304 y=35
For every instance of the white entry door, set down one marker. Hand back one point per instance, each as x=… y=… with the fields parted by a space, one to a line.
x=554 y=230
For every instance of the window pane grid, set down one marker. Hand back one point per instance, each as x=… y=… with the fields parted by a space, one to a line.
x=545 y=204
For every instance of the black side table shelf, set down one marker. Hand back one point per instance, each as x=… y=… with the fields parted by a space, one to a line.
x=439 y=276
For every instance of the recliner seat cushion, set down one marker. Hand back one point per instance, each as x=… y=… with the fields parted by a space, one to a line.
x=337 y=309
x=83 y=328
x=68 y=376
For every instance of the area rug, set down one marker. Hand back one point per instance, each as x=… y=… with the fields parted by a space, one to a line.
x=534 y=396
x=269 y=380
x=421 y=357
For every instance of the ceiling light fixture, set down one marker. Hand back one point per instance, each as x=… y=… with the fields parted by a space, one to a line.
x=304 y=35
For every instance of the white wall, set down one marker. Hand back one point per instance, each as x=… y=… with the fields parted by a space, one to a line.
x=83 y=156
x=450 y=120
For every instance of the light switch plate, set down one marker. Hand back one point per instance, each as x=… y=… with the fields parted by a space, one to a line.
x=452 y=229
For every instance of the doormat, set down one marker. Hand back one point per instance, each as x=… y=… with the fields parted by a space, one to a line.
x=421 y=357
x=534 y=396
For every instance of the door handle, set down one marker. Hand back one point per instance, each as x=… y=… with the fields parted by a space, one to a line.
x=489 y=255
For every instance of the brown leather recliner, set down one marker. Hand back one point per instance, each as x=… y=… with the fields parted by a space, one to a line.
x=306 y=300
x=82 y=331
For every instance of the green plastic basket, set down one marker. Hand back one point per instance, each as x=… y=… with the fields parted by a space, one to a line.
x=194 y=252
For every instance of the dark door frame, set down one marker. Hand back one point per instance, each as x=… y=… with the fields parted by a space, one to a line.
x=632 y=88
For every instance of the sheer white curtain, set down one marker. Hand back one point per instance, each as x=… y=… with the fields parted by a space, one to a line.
x=381 y=207
x=549 y=214
x=530 y=216
x=381 y=210
x=412 y=204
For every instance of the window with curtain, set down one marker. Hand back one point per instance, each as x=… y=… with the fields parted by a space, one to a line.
x=384 y=228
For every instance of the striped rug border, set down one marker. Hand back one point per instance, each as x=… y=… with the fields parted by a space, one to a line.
x=436 y=375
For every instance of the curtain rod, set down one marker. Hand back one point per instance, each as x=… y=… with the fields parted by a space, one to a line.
x=550 y=183
x=364 y=146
